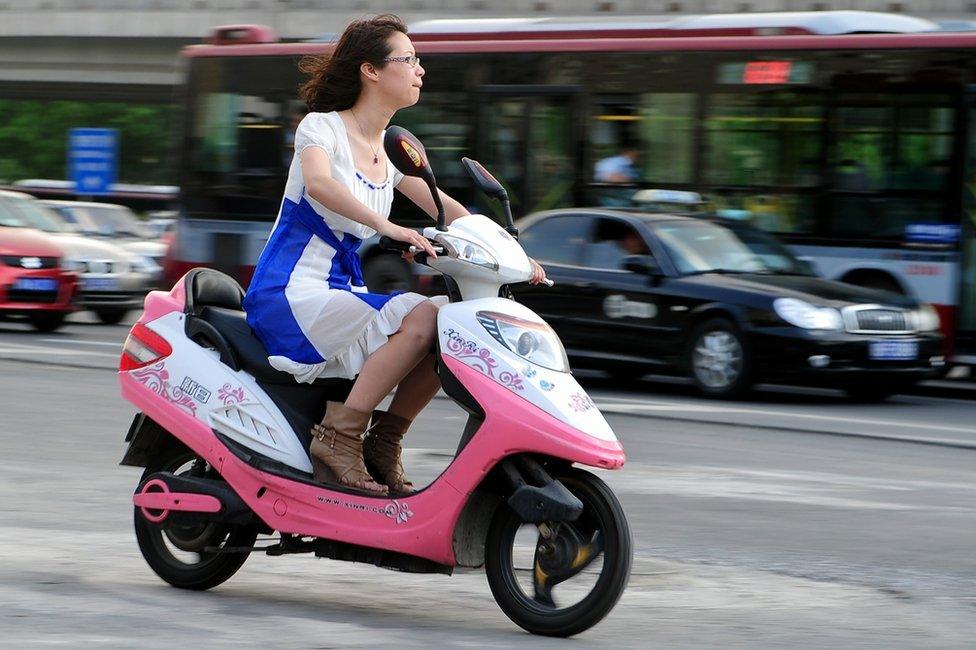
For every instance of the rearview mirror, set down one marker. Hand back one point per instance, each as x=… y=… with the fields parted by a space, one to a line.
x=483 y=179
x=408 y=155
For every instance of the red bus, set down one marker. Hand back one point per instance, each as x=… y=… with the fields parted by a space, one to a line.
x=849 y=135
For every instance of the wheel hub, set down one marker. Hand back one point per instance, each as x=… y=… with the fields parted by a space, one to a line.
x=717 y=359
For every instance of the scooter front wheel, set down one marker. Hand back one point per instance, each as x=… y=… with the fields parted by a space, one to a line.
x=191 y=557
x=561 y=578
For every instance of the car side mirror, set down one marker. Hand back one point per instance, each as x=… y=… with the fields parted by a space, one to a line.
x=643 y=264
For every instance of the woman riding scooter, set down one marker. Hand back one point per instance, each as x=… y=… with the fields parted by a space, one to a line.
x=307 y=301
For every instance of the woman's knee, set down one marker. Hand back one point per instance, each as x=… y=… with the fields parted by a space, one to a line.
x=421 y=322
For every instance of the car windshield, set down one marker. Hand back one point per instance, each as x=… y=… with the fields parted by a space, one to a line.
x=35 y=215
x=10 y=217
x=705 y=247
x=116 y=220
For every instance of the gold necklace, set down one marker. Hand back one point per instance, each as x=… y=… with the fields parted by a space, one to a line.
x=376 y=155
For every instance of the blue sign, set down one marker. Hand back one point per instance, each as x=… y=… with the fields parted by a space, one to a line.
x=92 y=159
x=932 y=233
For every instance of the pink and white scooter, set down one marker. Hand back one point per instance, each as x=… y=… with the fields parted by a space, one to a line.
x=223 y=438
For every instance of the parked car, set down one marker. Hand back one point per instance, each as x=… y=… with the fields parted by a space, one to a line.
x=113 y=281
x=115 y=222
x=725 y=304
x=33 y=284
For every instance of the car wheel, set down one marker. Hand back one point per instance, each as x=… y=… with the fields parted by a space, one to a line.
x=111 y=316
x=717 y=359
x=47 y=321
x=386 y=274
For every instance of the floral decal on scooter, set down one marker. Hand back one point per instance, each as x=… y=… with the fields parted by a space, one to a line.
x=481 y=360
x=229 y=396
x=399 y=512
x=580 y=402
x=156 y=379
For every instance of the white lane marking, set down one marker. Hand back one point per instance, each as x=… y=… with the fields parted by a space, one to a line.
x=81 y=342
x=30 y=349
x=698 y=408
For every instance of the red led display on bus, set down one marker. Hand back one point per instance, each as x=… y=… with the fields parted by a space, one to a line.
x=767 y=72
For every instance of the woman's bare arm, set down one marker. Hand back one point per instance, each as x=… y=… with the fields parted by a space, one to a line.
x=416 y=190
x=317 y=174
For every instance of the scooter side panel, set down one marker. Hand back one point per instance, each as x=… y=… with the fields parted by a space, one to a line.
x=513 y=427
x=420 y=525
x=463 y=338
x=194 y=380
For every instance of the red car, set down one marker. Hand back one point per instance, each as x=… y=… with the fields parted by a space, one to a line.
x=32 y=282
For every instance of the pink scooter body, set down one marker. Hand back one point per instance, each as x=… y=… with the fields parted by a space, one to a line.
x=421 y=524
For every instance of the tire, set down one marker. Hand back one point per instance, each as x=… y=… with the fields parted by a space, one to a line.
x=602 y=519
x=47 y=321
x=387 y=273
x=155 y=542
x=111 y=316
x=718 y=360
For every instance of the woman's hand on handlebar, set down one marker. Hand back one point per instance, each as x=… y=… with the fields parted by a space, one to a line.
x=407 y=236
x=538 y=273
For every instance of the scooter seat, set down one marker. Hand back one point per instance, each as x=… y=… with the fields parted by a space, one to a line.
x=247 y=348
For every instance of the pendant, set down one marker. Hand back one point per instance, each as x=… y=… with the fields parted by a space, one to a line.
x=376 y=159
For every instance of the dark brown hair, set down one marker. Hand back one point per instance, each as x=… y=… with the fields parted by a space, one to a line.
x=334 y=83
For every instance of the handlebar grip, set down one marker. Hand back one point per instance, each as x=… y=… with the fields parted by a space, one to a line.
x=390 y=244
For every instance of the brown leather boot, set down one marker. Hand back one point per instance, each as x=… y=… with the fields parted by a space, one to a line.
x=337 y=448
x=382 y=450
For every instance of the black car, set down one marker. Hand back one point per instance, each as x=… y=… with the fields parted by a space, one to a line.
x=723 y=302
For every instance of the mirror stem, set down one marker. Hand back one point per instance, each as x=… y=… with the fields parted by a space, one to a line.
x=509 y=222
x=441 y=217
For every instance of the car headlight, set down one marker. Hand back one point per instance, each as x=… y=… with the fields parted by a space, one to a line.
x=809 y=317
x=145 y=264
x=532 y=340
x=468 y=251
x=73 y=265
x=927 y=318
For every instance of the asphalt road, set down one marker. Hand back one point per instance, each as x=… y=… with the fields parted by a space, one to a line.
x=796 y=519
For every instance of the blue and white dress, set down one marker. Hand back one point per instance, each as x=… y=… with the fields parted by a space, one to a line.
x=307 y=301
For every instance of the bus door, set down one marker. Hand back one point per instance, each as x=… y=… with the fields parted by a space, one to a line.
x=527 y=140
x=965 y=332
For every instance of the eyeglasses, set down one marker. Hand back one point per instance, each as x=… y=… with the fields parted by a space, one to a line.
x=414 y=61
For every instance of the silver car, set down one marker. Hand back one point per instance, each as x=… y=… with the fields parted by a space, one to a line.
x=115 y=222
x=112 y=280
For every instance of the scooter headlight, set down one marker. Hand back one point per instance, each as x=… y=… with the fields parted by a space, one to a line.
x=533 y=341
x=467 y=251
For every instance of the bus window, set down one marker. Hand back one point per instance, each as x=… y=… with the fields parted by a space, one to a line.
x=889 y=164
x=238 y=137
x=763 y=157
x=645 y=140
x=764 y=139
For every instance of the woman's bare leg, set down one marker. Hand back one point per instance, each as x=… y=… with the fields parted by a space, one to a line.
x=416 y=390
x=387 y=367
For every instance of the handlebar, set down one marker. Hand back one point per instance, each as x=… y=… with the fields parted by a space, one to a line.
x=390 y=244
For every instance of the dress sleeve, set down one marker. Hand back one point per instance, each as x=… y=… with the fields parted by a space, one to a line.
x=315 y=131
x=397 y=176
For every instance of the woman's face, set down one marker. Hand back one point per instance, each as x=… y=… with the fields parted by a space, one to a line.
x=399 y=80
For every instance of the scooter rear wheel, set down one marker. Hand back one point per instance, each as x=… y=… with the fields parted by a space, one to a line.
x=567 y=583
x=179 y=554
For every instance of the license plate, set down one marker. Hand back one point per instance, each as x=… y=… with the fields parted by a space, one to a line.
x=101 y=284
x=36 y=284
x=893 y=350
